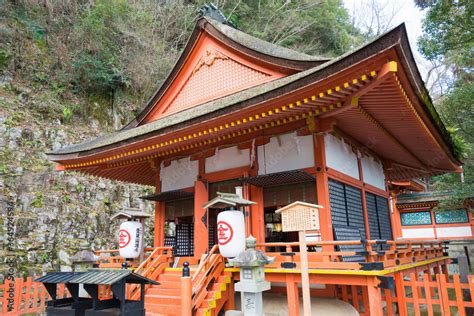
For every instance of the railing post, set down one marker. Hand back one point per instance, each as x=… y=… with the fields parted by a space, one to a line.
x=464 y=276
x=186 y=291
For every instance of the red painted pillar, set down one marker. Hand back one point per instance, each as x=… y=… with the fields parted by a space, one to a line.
x=248 y=212
x=159 y=229
x=374 y=296
x=322 y=190
x=200 y=228
x=292 y=294
x=364 y=200
x=471 y=219
x=159 y=233
x=395 y=218
x=257 y=212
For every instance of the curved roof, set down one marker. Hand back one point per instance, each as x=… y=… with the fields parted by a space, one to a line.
x=262 y=46
x=395 y=129
x=176 y=119
x=277 y=56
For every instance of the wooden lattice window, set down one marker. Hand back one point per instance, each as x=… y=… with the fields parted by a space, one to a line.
x=346 y=206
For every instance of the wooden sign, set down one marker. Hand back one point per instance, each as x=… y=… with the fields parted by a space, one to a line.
x=299 y=216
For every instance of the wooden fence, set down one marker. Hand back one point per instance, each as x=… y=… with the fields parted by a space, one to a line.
x=25 y=296
x=420 y=294
x=433 y=294
x=414 y=294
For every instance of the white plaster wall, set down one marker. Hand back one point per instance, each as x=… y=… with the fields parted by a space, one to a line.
x=339 y=156
x=180 y=174
x=285 y=152
x=457 y=231
x=373 y=172
x=228 y=158
x=418 y=233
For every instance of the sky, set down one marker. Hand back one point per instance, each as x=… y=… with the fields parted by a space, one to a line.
x=401 y=11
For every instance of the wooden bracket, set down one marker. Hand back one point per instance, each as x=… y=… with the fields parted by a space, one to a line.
x=386 y=282
x=352 y=100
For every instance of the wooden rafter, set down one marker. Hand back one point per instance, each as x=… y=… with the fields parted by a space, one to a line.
x=352 y=100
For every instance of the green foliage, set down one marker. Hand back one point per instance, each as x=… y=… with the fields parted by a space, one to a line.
x=38 y=200
x=5 y=58
x=448 y=38
x=448 y=31
x=461 y=148
x=457 y=111
x=96 y=63
x=3 y=168
x=67 y=114
x=313 y=27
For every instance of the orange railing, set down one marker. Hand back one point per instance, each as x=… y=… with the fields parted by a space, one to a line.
x=209 y=270
x=393 y=253
x=110 y=258
x=152 y=267
x=157 y=259
x=418 y=294
x=432 y=294
x=25 y=296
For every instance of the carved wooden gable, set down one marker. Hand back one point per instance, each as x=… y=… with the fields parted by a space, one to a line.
x=211 y=71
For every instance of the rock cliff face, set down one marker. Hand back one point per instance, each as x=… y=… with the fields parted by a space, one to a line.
x=54 y=212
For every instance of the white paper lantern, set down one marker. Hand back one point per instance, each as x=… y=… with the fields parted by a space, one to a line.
x=130 y=239
x=231 y=233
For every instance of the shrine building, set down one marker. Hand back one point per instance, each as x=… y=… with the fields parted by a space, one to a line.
x=236 y=111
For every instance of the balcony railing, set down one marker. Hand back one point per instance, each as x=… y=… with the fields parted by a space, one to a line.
x=354 y=254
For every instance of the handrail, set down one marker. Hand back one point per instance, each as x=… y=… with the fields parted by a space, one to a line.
x=395 y=252
x=115 y=260
x=204 y=261
x=152 y=267
x=209 y=269
x=149 y=259
x=147 y=249
x=348 y=242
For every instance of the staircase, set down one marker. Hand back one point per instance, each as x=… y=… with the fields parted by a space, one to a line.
x=211 y=289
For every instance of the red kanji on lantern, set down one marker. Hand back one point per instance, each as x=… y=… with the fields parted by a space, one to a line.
x=224 y=233
x=124 y=238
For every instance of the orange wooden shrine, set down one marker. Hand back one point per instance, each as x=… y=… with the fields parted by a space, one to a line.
x=285 y=126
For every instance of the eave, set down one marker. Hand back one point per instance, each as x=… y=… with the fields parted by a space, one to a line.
x=281 y=59
x=319 y=92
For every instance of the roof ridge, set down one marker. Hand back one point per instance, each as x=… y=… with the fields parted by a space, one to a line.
x=260 y=45
x=207 y=107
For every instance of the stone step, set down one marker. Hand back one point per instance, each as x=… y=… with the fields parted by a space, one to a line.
x=169 y=277
x=164 y=291
x=163 y=309
x=169 y=285
x=163 y=299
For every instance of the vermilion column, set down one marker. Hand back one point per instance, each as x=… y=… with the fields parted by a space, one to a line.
x=159 y=233
x=364 y=200
x=200 y=228
x=322 y=190
x=257 y=213
x=395 y=218
x=159 y=229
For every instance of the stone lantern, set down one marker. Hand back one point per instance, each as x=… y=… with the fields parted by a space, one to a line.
x=84 y=259
x=252 y=277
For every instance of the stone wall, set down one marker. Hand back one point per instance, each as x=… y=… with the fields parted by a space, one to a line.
x=54 y=212
x=457 y=249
